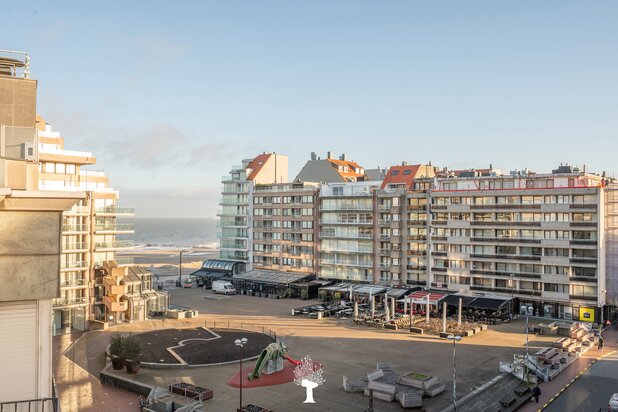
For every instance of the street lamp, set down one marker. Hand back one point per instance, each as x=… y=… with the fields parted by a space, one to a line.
x=241 y=343
x=455 y=339
x=179 y=283
x=511 y=307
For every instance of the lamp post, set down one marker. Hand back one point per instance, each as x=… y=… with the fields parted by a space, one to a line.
x=179 y=283
x=511 y=307
x=455 y=339
x=602 y=305
x=240 y=343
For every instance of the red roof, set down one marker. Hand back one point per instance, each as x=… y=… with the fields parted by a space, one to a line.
x=422 y=295
x=352 y=172
x=257 y=164
x=402 y=175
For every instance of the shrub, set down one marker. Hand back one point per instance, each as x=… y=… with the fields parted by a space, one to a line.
x=132 y=347
x=116 y=345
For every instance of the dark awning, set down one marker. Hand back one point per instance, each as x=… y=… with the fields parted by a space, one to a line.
x=488 y=303
x=453 y=300
x=209 y=274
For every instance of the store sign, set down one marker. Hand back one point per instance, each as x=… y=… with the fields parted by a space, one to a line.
x=586 y=314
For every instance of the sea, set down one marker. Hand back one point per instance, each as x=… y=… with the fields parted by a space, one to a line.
x=172 y=233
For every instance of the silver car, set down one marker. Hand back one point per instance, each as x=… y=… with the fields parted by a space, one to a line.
x=613 y=403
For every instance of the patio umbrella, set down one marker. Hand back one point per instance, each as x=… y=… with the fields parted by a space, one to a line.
x=355 y=310
x=387 y=312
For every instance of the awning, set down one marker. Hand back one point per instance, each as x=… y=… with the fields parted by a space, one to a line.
x=420 y=296
x=272 y=277
x=488 y=303
x=369 y=290
x=396 y=292
x=209 y=274
x=453 y=300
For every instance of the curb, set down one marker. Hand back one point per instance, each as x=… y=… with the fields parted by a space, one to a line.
x=553 y=398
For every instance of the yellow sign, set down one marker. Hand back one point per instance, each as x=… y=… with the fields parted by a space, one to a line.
x=586 y=314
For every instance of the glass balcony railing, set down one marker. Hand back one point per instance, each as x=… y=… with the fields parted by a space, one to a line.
x=114 y=227
x=73 y=264
x=75 y=246
x=114 y=210
x=118 y=244
x=70 y=301
x=75 y=228
x=73 y=282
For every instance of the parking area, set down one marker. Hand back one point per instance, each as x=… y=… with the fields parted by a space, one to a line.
x=342 y=347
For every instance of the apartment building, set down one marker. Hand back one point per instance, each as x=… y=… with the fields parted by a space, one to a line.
x=537 y=237
x=611 y=244
x=285 y=227
x=346 y=231
x=30 y=247
x=235 y=215
x=89 y=230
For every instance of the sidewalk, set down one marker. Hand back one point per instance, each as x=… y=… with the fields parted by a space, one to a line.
x=552 y=389
x=80 y=391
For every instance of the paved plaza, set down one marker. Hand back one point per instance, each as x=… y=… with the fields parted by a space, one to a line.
x=342 y=347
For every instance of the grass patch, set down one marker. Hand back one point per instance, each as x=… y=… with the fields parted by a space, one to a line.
x=417 y=376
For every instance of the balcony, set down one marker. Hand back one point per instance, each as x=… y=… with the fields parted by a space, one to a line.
x=76 y=264
x=113 y=288
x=115 y=245
x=346 y=236
x=114 y=228
x=75 y=247
x=63 y=302
x=114 y=305
x=344 y=263
x=78 y=210
x=115 y=211
x=68 y=228
x=73 y=283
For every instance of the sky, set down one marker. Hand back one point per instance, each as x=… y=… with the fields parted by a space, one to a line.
x=168 y=95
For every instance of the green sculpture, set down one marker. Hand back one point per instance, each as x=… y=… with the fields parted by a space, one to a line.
x=274 y=352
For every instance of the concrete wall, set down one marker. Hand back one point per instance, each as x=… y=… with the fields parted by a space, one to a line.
x=29 y=255
x=17 y=101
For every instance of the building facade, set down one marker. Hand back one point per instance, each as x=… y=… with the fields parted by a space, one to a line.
x=235 y=215
x=89 y=229
x=285 y=227
x=30 y=247
x=538 y=238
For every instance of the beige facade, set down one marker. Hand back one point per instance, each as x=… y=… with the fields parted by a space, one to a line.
x=89 y=229
x=285 y=227
x=30 y=233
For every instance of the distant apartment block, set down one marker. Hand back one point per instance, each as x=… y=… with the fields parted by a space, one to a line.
x=547 y=240
x=235 y=215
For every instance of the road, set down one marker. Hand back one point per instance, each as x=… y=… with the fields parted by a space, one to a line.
x=592 y=390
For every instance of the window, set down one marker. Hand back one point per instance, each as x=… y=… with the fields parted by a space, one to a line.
x=407 y=172
x=394 y=172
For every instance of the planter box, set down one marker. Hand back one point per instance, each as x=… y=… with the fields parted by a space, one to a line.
x=410 y=399
x=416 y=330
x=380 y=395
x=468 y=333
x=483 y=327
x=477 y=329
x=444 y=334
x=414 y=380
x=386 y=388
x=389 y=326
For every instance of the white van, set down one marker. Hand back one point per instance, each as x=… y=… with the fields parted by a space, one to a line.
x=224 y=287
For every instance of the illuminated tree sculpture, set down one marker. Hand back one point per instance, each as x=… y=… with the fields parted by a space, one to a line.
x=309 y=376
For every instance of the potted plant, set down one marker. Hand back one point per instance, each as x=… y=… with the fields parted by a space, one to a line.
x=132 y=351
x=116 y=351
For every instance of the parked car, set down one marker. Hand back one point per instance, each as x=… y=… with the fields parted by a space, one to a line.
x=187 y=283
x=223 y=287
x=613 y=403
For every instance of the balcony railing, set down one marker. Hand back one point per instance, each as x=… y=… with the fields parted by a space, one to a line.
x=73 y=282
x=118 y=227
x=344 y=263
x=118 y=244
x=115 y=210
x=75 y=228
x=74 y=264
x=75 y=246
x=70 y=301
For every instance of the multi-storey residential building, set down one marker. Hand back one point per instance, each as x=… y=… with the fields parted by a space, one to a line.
x=346 y=236
x=285 y=227
x=537 y=237
x=89 y=228
x=29 y=247
x=236 y=204
x=403 y=224
x=611 y=244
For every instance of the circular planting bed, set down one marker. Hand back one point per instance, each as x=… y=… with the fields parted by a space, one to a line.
x=198 y=346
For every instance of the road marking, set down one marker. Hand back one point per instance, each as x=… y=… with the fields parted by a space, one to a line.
x=553 y=398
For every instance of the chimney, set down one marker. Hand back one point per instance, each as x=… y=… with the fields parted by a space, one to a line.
x=404 y=163
x=329 y=155
x=343 y=157
x=314 y=156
